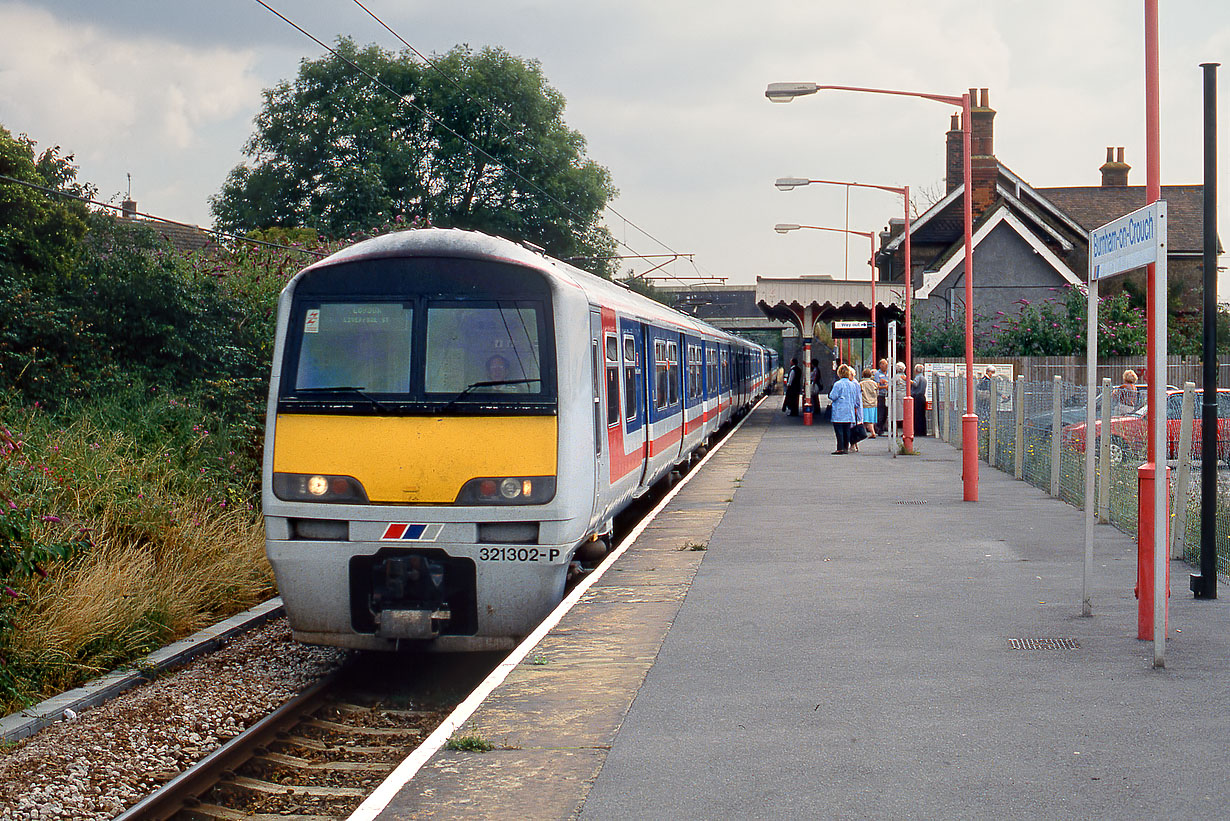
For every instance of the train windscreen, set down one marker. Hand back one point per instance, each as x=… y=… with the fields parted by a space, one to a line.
x=419 y=335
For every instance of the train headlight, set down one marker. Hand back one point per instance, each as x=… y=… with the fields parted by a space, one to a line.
x=507 y=490
x=309 y=487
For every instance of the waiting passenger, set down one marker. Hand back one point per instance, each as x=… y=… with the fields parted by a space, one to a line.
x=867 y=385
x=918 y=390
x=846 y=397
x=1124 y=398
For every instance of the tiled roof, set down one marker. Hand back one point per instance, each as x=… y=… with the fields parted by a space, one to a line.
x=1094 y=206
x=182 y=237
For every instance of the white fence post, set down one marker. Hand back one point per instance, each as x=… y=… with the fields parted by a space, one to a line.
x=1104 y=453
x=958 y=439
x=1018 y=467
x=1178 y=506
x=993 y=425
x=1056 y=418
x=948 y=400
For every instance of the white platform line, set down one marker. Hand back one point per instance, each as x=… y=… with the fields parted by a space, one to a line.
x=382 y=795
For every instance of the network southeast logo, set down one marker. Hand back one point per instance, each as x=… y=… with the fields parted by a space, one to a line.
x=403 y=532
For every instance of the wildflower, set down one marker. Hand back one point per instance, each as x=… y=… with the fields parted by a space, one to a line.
x=51 y=518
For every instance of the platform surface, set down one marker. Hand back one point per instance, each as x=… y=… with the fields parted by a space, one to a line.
x=853 y=641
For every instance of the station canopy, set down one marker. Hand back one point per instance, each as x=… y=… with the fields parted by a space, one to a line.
x=785 y=299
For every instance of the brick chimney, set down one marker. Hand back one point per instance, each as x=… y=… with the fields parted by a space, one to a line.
x=128 y=208
x=952 y=164
x=1114 y=171
x=984 y=168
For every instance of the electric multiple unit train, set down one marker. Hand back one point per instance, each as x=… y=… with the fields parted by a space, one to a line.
x=451 y=416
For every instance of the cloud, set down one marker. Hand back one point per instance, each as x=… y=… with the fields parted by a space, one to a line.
x=81 y=80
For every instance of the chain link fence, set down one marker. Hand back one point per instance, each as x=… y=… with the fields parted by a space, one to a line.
x=1036 y=432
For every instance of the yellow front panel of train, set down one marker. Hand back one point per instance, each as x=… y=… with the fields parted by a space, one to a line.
x=415 y=459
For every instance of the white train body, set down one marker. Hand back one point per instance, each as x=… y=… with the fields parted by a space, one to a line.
x=452 y=415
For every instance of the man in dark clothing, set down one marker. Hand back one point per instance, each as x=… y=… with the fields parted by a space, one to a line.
x=794 y=387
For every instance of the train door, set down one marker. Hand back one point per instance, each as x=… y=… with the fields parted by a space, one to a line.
x=632 y=361
x=596 y=363
x=647 y=385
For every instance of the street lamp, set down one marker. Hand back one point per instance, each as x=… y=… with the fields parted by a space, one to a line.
x=907 y=406
x=784 y=93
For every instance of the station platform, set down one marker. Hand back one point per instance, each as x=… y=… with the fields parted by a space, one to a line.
x=804 y=635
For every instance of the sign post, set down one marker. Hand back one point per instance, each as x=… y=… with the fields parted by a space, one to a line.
x=892 y=388
x=1130 y=242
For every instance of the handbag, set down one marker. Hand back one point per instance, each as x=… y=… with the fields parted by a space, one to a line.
x=857 y=433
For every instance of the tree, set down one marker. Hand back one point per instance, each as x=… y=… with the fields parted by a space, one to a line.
x=339 y=152
x=40 y=233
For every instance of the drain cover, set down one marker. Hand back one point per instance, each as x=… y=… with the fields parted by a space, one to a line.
x=1043 y=644
x=910 y=502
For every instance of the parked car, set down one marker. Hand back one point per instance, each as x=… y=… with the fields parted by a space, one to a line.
x=1073 y=412
x=1130 y=431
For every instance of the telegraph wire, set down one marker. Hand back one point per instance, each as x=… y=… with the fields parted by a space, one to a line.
x=491 y=106
x=436 y=121
x=222 y=234
x=432 y=118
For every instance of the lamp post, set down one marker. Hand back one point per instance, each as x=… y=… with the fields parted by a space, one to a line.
x=907 y=407
x=785 y=228
x=784 y=93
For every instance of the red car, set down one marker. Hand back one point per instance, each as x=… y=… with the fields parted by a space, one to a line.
x=1130 y=431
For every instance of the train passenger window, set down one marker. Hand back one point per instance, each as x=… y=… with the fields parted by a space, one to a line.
x=612 y=380
x=672 y=371
x=698 y=372
x=630 y=364
x=495 y=344
x=661 y=390
x=712 y=362
x=363 y=345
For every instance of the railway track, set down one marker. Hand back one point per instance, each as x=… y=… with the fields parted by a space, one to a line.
x=321 y=753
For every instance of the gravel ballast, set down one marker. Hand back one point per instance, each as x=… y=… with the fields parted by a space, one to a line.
x=96 y=764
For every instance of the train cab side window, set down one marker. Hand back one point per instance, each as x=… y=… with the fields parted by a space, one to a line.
x=612 y=380
x=630 y=364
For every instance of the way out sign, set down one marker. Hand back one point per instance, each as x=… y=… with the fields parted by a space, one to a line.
x=1130 y=242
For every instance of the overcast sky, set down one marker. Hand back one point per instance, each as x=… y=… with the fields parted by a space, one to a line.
x=668 y=93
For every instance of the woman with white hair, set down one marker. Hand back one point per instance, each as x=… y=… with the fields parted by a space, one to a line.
x=901 y=384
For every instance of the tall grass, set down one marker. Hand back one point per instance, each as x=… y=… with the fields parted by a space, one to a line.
x=152 y=501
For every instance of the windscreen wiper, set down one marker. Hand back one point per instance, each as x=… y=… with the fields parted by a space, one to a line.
x=484 y=384
x=358 y=391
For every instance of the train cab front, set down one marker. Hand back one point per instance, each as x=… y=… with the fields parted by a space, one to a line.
x=412 y=459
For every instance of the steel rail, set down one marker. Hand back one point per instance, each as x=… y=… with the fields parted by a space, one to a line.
x=193 y=782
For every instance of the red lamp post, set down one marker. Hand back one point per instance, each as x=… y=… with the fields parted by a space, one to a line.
x=784 y=228
x=784 y=93
x=907 y=407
